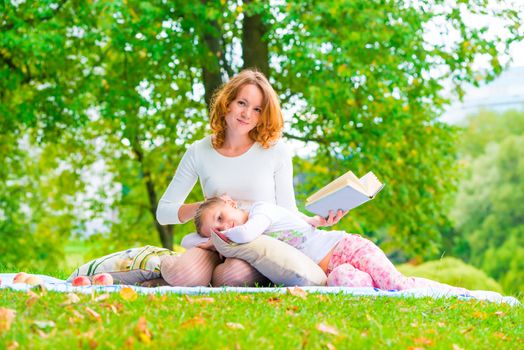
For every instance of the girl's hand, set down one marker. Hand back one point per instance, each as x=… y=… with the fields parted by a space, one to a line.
x=208 y=245
x=317 y=220
x=221 y=235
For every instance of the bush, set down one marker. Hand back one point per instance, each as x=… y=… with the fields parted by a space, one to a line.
x=454 y=272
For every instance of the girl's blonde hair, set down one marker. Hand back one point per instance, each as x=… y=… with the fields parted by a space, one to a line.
x=270 y=124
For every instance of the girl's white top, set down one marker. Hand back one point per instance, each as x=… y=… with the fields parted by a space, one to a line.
x=286 y=226
x=257 y=175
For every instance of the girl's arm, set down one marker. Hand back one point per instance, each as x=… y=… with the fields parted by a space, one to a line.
x=255 y=226
x=171 y=208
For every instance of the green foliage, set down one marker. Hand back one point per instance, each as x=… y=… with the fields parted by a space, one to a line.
x=488 y=211
x=454 y=272
x=252 y=321
x=122 y=84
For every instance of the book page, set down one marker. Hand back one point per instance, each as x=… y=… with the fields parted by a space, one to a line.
x=348 y=179
x=371 y=184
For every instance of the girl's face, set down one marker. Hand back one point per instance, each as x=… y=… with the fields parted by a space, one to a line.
x=221 y=217
x=244 y=111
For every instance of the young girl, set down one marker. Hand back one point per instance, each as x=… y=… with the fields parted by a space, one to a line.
x=348 y=259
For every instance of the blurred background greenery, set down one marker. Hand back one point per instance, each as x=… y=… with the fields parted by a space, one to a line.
x=99 y=100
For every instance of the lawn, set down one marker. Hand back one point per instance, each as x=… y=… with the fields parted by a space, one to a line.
x=52 y=320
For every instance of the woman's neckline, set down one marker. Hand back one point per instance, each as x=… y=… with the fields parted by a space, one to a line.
x=230 y=156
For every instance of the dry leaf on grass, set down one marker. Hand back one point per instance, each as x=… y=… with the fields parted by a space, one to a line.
x=102 y=297
x=456 y=347
x=142 y=332
x=33 y=298
x=71 y=298
x=93 y=314
x=128 y=294
x=424 y=341
x=6 y=318
x=324 y=328
x=200 y=300
x=331 y=346
x=192 y=322
x=274 y=300
x=12 y=345
x=234 y=325
x=500 y=314
x=298 y=292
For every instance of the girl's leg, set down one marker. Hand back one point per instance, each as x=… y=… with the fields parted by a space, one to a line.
x=237 y=273
x=366 y=256
x=347 y=276
x=193 y=268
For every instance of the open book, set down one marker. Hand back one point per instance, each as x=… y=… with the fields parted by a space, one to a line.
x=346 y=192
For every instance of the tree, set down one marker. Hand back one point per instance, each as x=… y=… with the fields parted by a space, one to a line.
x=488 y=212
x=136 y=78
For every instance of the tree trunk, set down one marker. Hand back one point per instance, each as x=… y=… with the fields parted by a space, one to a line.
x=164 y=232
x=255 y=50
x=211 y=67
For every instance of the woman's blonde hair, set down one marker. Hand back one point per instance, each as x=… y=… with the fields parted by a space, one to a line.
x=269 y=127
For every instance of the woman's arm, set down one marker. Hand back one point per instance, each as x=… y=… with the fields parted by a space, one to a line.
x=283 y=177
x=171 y=208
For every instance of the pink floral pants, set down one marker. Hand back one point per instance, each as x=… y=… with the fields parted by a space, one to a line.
x=358 y=262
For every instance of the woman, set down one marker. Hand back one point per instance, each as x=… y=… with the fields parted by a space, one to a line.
x=244 y=158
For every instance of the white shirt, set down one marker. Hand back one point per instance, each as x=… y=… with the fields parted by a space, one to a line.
x=286 y=226
x=257 y=175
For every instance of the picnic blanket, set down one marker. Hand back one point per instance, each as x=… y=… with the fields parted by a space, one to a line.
x=58 y=285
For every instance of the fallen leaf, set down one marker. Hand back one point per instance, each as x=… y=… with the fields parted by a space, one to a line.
x=142 y=332
x=202 y=300
x=6 y=318
x=33 y=298
x=291 y=310
x=95 y=315
x=500 y=313
x=499 y=335
x=322 y=298
x=102 y=297
x=441 y=324
x=480 y=314
x=456 y=347
x=414 y=324
x=331 y=346
x=71 y=298
x=234 y=325
x=192 y=322
x=324 y=328
x=298 y=292
x=12 y=345
x=274 y=300
x=424 y=341
x=467 y=330
x=128 y=294
x=415 y=348
x=129 y=343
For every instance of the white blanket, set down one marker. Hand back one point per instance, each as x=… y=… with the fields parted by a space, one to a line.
x=58 y=285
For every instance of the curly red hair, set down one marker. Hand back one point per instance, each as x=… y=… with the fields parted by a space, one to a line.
x=270 y=124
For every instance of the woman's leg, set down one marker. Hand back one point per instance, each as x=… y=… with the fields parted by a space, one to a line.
x=365 y=256
x=237 y=273
x=193 y=268
x=346 y=275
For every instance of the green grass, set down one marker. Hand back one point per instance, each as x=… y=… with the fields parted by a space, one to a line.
x=260 y=321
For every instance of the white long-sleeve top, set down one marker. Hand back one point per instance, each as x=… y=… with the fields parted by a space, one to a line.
x=285 y=225
x=257 y=175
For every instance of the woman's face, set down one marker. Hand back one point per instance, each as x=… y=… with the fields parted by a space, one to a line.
x=244 y=111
